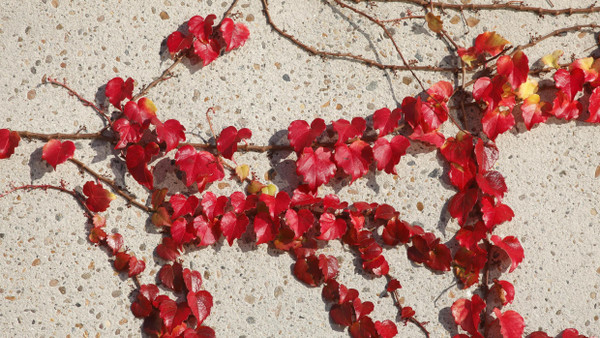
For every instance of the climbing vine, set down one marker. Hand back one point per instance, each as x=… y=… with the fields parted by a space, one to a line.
x=501 y=87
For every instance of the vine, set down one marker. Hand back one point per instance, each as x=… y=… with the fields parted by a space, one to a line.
x=303 y=220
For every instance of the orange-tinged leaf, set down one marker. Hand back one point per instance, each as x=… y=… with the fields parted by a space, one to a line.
x=527 y=88
x=98 y=198
x=490 y=42
x=434 y=22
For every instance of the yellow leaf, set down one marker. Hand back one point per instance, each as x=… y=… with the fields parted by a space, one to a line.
x=270 y=189
x=242 y=171
x=527 y=89
x=434 y=22
x=551 y=60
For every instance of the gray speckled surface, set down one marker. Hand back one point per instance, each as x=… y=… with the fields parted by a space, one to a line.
x=54 y=283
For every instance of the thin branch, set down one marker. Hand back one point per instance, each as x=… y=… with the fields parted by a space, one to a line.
x=130 y=199
x=498 y=6
x=535 y=41
x=77 y=196
x=347 y=56
x=46 y=137
x=387 y=33
x=86 y=103
x=413 y=320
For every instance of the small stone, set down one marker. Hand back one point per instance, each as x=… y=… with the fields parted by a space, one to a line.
x=62 y=290
x=420 y=206
x=54 y=3
x=31 y=94
x=36 y=262
x=372 y=86
x=164 y=15
x=53 y=282
x=250 y=18
x=286 y=78
x=278 y=291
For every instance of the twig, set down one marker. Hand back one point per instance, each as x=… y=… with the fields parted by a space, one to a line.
x=413 y=320
x=350 y=56
x=130 y=199
x=388 y=34
x=499 y=6
x=554 y=33
x=72 y=92
x=46 y=137
x=77 y=196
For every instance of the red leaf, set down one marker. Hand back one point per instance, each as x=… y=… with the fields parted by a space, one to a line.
x=354 y=159
x=97 y=235
x=315 y=167
x=486 y=154
x=393 y=285
x=264 y=228
x=492 y=183
x=128 y=132
x=512 y=324
x=98 y=198
x=114 y=242
x=462 y=203
x=490 y=42
x=200 y=27
x=332 y=201
x=117 y=90
x=538 y=334
x=9 y=140
x=143 y=112
x=386 y=121
x=494 y=214
x=362 y=309
x=234 y=34
x=388 y=153
x=200 y=303
x=136 y=266
x=467 y=264
x=201 y=167
x=182 y=205
x=347 y=130
x=300 y=221
x=563 y=108
x=121 y=261
x=177 y=42
x=458 y=150
x=207 y=51
x=304 y=196
x=496 y=122
x=207 y=231
x=468 y=236
x=570 y=83
x=594 y=108
x=212 y=206
x=136 y=164
x=386 y=329
x=172 y=276
x=385 y=212
x=515 y=69
x=229 y=138
x=512 y=247
x=466 y=313
x=308 y=271
x=395 y=232
x=301 y=135
x=181 y=232
x=504 y=290
x=233 y=227
x=277 y=204
x=331 y=227
x=142 y=307
x=56 y=152
x=171 y=133
x=461 y=177
x=407 y=312
x=571 y=333
x=168 y=249
x=329 y=267
x=341 y=314
x=378 y=266
x=192 y=280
